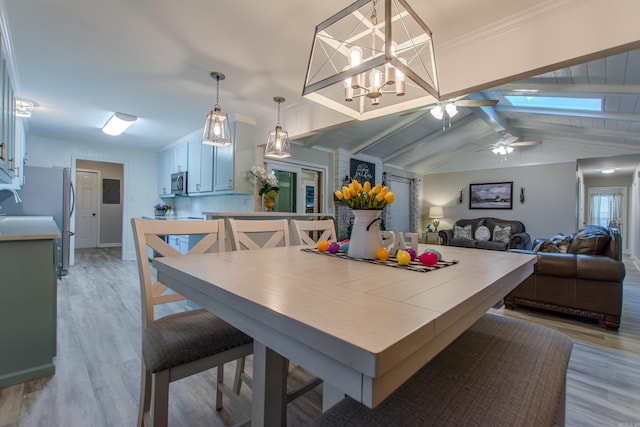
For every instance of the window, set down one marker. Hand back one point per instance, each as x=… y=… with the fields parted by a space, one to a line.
x=556 y=103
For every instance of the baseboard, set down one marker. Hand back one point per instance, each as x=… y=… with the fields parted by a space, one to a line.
x=109 y=245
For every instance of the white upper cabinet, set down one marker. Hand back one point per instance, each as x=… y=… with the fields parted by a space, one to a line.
x=200 y=167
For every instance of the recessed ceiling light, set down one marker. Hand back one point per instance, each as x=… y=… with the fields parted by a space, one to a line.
x=608 y=170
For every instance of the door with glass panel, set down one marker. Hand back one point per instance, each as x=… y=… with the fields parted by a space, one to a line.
x=301 y=189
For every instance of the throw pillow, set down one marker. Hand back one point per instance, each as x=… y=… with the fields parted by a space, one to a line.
x=546 y=246
x=462 y=232
x=483 y=233
x=590 y=241
x=501 y=233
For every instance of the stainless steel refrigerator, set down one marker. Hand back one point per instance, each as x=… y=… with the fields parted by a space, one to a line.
x=46 y=191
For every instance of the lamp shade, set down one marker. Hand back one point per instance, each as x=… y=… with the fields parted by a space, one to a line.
x=436 y=212
x=278 y=140
x=216 y=129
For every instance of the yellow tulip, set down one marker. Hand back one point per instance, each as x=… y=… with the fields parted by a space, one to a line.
x=389 y=197
x=354 y=192
x=346 y=193
x=377 y=188
x=380 y=197
x=384 y=190
x=367 y=187
x=339 y=195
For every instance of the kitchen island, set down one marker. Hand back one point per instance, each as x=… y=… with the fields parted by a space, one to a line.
x=28 y=297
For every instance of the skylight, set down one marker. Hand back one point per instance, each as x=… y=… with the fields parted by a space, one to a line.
x=556 y=102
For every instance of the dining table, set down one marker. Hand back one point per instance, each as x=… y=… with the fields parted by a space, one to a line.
x=363 y=327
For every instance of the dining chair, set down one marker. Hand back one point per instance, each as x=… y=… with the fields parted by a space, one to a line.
x=311 y=232
x=185 y=343
x=262 y=234
x=259 y=234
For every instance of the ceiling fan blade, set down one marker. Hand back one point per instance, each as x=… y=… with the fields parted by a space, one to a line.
x=476 y=103
x=525 y=143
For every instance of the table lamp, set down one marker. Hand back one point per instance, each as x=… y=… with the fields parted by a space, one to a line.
x=436 y=212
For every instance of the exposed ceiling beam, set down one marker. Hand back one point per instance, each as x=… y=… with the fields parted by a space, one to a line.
x=545 y=128
x=457 y=124
x=568 y=88
x=572 y=113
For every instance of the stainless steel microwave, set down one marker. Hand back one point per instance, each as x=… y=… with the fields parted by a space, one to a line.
x=179 y=183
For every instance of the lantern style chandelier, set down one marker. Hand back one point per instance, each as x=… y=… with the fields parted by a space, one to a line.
x=371 y=59
x=278 y=146
x=216 y=127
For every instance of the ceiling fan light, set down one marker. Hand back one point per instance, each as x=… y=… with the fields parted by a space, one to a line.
x=437 y=112
x=451 y=109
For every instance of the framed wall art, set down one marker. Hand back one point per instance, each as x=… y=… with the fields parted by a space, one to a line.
x=494 y=195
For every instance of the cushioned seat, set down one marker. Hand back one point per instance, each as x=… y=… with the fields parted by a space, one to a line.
x=500 y=372
x=166 y=343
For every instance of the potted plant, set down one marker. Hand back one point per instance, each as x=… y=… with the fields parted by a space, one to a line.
x=161 y=209
x=268 y=186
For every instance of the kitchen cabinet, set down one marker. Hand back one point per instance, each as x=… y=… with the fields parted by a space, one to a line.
x=8 y=160
x=28 y=298
x=200 y=167
x=179 y=158
x=164 y=175
x=223 y=169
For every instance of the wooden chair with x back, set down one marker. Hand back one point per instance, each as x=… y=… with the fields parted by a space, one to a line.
x=311 y=232
x=184 y=343
x=263 y=234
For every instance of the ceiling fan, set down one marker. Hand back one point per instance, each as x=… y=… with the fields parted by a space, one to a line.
x=447 y=109
x=505 y=144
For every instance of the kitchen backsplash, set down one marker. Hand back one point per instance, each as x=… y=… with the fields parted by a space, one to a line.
x=194 y=206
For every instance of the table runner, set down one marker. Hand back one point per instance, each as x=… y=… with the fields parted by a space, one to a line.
x=391 y=262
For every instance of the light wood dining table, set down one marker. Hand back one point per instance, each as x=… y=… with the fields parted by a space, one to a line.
x=363 y=328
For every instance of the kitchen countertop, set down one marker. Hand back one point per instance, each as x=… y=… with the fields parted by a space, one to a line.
x=28 y=228
x=211 y=215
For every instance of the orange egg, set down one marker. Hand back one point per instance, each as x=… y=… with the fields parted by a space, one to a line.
x=382 y=254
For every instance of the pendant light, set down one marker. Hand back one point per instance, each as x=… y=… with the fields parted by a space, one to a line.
x=278 y=141
x=216 y=128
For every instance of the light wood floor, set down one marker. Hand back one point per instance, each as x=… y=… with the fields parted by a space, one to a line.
x=98 y=362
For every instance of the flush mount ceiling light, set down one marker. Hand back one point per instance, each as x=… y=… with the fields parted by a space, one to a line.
x=278 y=141
x=373 y=58
x=216 y=128
x=118 y=123
x=23 y=108
x=608 y=170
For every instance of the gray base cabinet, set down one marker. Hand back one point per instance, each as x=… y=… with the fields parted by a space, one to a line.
x=28 y=298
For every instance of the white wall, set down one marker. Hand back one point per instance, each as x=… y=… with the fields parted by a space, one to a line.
x=550 y=197
x=140 y=174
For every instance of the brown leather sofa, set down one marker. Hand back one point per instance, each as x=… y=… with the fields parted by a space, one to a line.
x=515 y=237
x=585 y=281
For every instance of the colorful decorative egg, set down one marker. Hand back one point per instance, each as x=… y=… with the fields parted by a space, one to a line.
x=429 y=258
x=334 y=247
x=411 y=252
x=345 y=246
x=434 y=251
x=403 y=257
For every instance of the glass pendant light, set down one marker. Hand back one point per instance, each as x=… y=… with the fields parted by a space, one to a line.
x=278 y=141
x=216 y=128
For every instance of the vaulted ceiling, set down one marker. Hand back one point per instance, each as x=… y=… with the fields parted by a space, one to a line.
x=416 y=141
x=82 y=60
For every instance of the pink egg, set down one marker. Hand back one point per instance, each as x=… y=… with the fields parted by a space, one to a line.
x=411 y=252
x=429 y=259
x=334 y=247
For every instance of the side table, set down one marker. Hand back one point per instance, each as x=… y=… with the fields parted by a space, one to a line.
x=434 y=237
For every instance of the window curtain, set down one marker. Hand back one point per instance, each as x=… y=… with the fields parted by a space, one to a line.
x=606 y=208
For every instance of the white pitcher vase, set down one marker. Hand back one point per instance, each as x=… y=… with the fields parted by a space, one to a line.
x=365 y=235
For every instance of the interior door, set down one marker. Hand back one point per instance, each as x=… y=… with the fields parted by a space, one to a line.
x=87 y=209
x=400 y=211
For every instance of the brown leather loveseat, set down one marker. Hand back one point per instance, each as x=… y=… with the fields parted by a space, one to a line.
x=581 y=275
